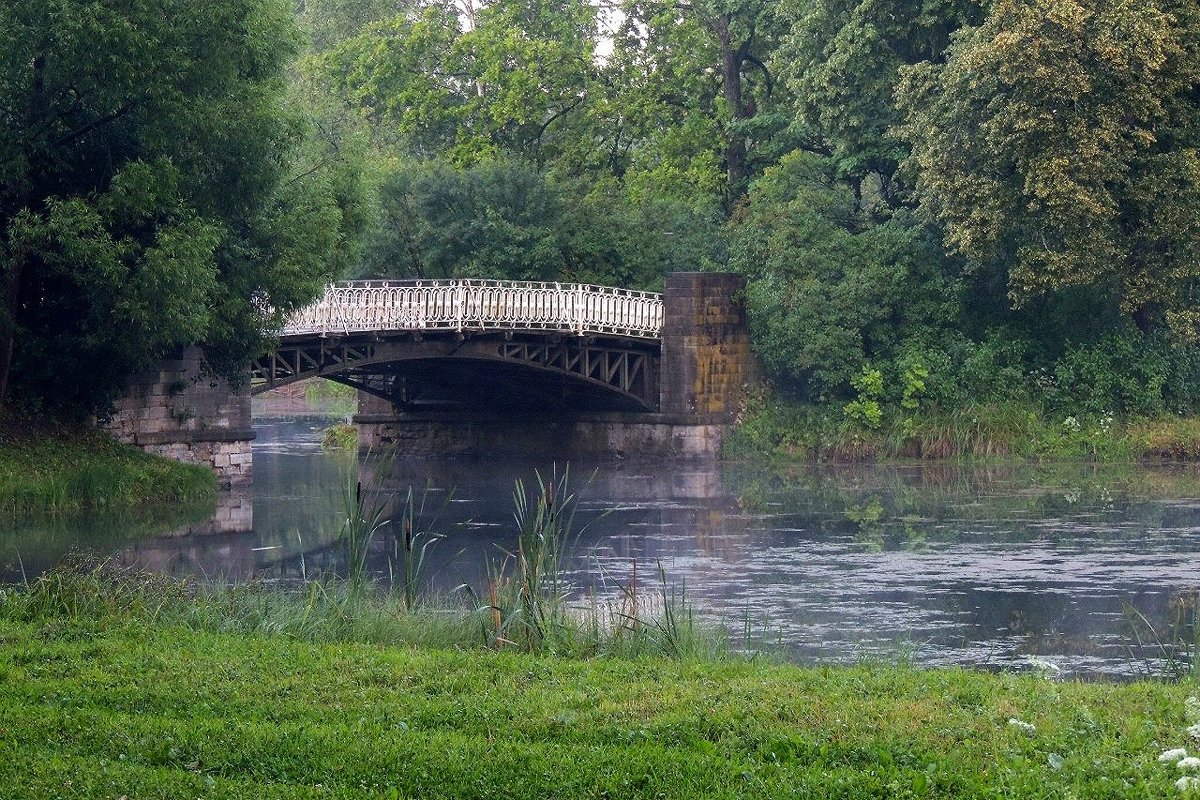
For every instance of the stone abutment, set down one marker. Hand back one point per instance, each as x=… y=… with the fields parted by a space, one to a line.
x=180 y=412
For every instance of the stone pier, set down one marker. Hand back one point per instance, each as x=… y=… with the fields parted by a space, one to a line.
x=180 y=412
x=706 y=359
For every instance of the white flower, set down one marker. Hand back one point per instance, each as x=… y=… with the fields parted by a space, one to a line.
x=1047 y=669
x=1194 y=731
x=1191 y=707
x=1187 y=784
x=1189 y=764
x=1025 y=727
x=1171 y=756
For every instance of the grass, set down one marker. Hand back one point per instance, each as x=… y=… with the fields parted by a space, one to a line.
x=59 y=470
x=986 y=431
x=115 y=693
x=342 y=436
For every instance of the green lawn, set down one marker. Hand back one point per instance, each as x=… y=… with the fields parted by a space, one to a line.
x=117 y=706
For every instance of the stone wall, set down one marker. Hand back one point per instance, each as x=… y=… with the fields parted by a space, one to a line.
x=612 y=435
x=179 y=412
x=706 y=358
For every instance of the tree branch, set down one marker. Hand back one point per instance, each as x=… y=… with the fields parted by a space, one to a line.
x=79 y=133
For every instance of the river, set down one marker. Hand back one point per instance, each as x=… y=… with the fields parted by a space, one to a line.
x=941 y=564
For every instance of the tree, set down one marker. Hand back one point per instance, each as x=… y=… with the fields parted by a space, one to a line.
x=842 y=61
x=693 y=84
x=831 y=289
x=151 y=192
x=1059 y=146
x=508 y=220
x=500 y=89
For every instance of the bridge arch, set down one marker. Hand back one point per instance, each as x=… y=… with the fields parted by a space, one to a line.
x=476 y=370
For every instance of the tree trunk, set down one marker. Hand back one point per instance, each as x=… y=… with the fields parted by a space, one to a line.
x=8 y=325
x=731 y=86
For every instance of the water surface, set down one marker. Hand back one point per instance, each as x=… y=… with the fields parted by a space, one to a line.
x=943 y=564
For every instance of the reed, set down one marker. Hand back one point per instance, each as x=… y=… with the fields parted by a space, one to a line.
x=1167 y=651
x=411 y=545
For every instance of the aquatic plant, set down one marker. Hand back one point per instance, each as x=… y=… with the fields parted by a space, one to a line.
x=363 y=519
x=410 y=546
x=527 y=589
x=342 y=436
x=1171 y=650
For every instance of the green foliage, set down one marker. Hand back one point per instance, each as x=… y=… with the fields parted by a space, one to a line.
x=507 y=219
x=1035 y=271
x=149 y=191
x=342 y=436
x=1126 y=372
x=913 y=378
x=503 y=86
x=1047 y=142
x=831 y=286
x=865 y=409
x=843 y=62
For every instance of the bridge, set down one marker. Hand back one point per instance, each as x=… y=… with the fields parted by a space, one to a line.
x=480 y=367
x=494 y=345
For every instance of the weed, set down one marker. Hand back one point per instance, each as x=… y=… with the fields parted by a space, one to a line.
x=342 y=436
x=1171 y=651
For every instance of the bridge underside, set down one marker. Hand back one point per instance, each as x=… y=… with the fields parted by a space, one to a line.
x=509 y=372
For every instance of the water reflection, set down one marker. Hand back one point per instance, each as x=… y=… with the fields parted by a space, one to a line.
x=950 y=564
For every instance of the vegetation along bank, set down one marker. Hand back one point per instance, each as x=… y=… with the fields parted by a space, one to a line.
x=54 y=470
x=141 y=688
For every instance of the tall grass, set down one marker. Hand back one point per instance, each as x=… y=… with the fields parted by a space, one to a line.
x=1169 y=651
x=982 y=431
x=411 y=545
x=364 y=518
x=54 y=472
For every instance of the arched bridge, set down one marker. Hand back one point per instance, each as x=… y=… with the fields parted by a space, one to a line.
x=479 y=367
x=495 y=345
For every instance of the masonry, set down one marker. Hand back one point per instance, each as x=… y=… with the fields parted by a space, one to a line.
x=180 y=412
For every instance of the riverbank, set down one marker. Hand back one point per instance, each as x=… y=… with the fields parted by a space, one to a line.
x=109 y=699
x=827 y=433
x=46 y=469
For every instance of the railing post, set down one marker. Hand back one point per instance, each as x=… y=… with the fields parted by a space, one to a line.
x=330 y=305
x=580 y=300
x=459 y=302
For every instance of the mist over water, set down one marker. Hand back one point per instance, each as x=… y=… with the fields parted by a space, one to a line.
x=941 y=564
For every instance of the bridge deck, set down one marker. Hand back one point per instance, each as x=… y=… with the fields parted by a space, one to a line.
x=418 y=305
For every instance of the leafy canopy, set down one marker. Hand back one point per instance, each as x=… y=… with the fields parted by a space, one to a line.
x=154 y=191
x=1058 y=146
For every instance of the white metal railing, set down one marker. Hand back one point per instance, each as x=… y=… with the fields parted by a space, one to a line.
x=474 y=304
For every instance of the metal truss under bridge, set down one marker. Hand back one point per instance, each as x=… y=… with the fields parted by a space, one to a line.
x=488 y=344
